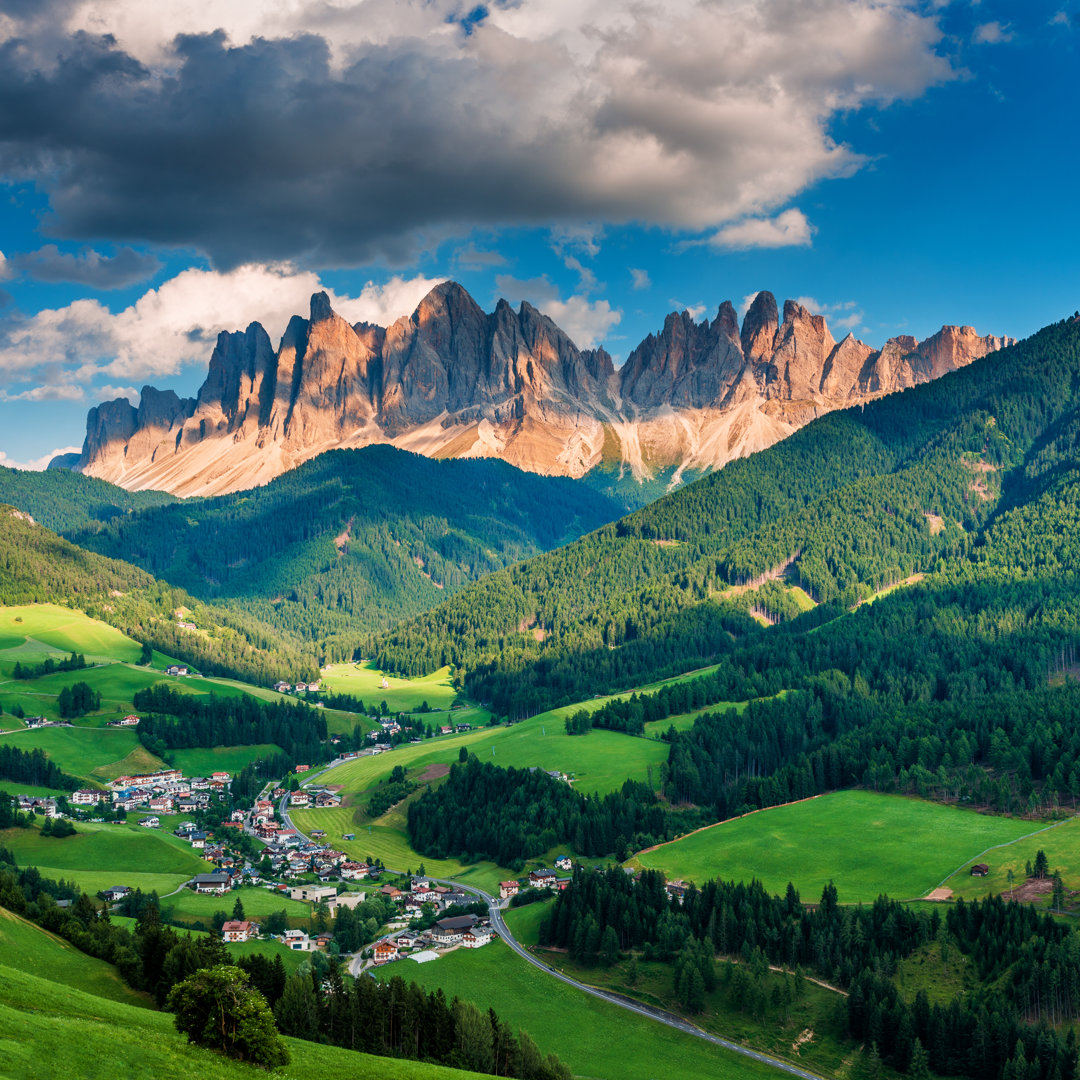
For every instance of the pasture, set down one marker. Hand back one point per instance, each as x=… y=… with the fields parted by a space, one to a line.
x=32 y=632
x=866 y=843
x=188 y=906
x=595 y=1038
x=37 y=952
x=80 y=750
x=202 y=761
x=99 y=856
x=364 y=680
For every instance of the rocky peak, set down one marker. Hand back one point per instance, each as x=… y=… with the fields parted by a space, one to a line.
x=321 y=311
x=759 y=327
x=803 y=345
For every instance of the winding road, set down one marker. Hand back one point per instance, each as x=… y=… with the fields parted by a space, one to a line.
x=661 y=1016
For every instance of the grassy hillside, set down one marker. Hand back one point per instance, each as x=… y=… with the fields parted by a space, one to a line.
x=865 y=843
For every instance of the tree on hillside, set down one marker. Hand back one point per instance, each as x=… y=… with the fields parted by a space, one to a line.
x=216 y=1007
x=297 y=1011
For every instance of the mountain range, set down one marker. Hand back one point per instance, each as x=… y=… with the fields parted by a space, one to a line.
x=453 y=381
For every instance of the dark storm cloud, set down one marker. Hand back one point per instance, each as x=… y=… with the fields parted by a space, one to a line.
x=276 y=150
x=126 y=267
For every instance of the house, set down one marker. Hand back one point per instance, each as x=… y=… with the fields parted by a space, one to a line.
x=238 y=931
x=299 y=798
x=446 y=730
x=391 y=893
x=302 y=768
x=317 y=894
x=677 y=890
x=163 y=804
x=296 y=940
x=353 y=871
x=542 y=879
x=176 y=669
x=215 y=884
x=197 y=839
x=980 y=869
x=282 y=687
x=385 y=951
x=184 y=625
x=84 y=797
x=150 y=823
x=224 y=777
x=323 y=940
x=327 y=798
x=117 y=892
x=406 y=941
x=128 y=721
x=564 y=862
x=508 y=889
x=450 y=931
x=476 y=938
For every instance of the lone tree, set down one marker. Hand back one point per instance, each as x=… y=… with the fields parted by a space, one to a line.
x=216 y=1007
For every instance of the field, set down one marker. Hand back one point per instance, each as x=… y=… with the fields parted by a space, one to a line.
x=81 y=751
x=402 y=695
x=37 y=952
x=32 y=632
x=51 y=1030
x=595 y=1038
x=187 y=906
x=864 y=842
x=100 y=856
x=1061 y=844
x=203 y=761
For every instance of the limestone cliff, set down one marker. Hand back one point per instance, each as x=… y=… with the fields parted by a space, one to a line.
x=453 y=381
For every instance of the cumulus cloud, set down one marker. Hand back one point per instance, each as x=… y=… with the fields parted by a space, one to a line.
x=641 y=278
x=789 y=229
x=239 y=129
x=62 y=350
x=87 y=267
x=842 y=315
x=992 y=33
x=37 y=464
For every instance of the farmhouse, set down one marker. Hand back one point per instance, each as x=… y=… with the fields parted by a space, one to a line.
x=299 y=798
x=385 y=951
x=117 y=892
x=980 y=869
x=542 y=879
x=282 y=687
x=476 y=938
x=508 y=889
x=564 y=862
x=216 y=884
x=176 y=669
x=677 y=889
x=234 y=930
x=451 y=931
x=150 y=823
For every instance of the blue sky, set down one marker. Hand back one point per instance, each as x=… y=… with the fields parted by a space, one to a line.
x=169 y=174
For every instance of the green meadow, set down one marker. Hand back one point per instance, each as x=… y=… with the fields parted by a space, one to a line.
x=99 y=856
x=202 y=761
x=32 y=632
x=866 y=843
x=82 y=751
x=33 y=950
x=364 y=680
x=1061 y=843
x=595 y=1038
x=188 y=906
x=53 y=1030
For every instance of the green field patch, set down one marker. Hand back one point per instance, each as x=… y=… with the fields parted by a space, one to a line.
x=524 y=922
x=138 y=763
x=79 y=750
x=1061 y=844
x=113 y=849
x=866 y=843
x=29 y=789
x=202 y=761
x=188 y=906
x=35 y=631
x=35 y=951
x=364 y=681
x=595 y=1038
x=291 y=958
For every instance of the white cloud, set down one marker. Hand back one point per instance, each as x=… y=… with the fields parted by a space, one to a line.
x=1060 y=18
x=992 y=33
x=585 y=322
x=37 y=464
x=843 y=315
x=5 y=268
x=695 y=311
x=176 y=324
x=641 y=278
x=789 y=229
x=690 y=114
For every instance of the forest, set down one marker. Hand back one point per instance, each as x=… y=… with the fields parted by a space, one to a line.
x=33 y=767
x=1028 y=964
x=171 y=720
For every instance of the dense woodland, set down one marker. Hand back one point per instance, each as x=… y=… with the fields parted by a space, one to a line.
x=482 y=811
x=33 y=767
x=171 y=720
x=949 y=478
x=1028 y=964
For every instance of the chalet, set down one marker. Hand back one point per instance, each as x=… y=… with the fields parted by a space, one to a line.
x=184 y=625
x=299 y=798
x=199 y=783
x=327 y=798
x=446 y=730
x=216 y=884
x=234 y=930
x=980 y=869
x=185 y=827
x=476 y=938
x=564 y=862
x=176 y=669
x=117 y=892
x=407 y=941
x=197 y=839
x=391 y=893
x=84 y=797
x=323 y=940
x=224 y=777
x=508 y=889
x=450 y=931
x=302 y=768
x=542 y=879
x=353 y=871
x=150 y=823
x=282 y=687
x=385 y=951
x=315 y=893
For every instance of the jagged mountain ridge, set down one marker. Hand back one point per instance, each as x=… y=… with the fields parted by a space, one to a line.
x=453 y=381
